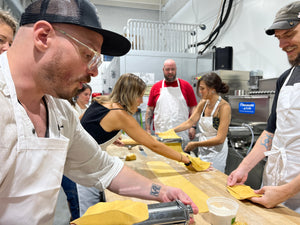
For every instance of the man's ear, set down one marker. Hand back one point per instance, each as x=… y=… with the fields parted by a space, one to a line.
x=42 y=32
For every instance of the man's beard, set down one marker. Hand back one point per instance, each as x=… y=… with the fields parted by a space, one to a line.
x=296 y=61
x=170 y=79
x=54 y=78
x=54 y=74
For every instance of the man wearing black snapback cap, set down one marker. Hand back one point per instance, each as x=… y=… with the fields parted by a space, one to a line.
x=56 y=49
x=280 y=141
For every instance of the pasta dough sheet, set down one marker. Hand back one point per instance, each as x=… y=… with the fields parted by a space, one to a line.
x=197 y=163
x=169 y=176
x=175 y=146
x=111 y=213
x=169 y=134
x=130 y=157
x=241 y=192
x=129 y=141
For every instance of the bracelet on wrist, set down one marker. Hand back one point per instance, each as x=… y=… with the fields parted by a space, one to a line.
x=195 y=127
x=189 y=163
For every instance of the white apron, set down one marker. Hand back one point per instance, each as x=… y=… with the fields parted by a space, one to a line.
x=215 y=154
x=283 y=163
x=110 y=141
x=28 y=194
x=171 y=110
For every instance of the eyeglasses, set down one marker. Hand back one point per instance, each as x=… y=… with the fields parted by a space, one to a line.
x=96 y=61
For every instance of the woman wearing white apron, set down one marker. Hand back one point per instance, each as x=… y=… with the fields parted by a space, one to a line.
x=283 y=160
x=214 y=115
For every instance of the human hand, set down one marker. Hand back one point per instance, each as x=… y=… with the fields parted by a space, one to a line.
x=197 y=164
x=172 y=194
x=192 y=133
x=191 y=146
x=238 y=176
x=272 y=195
x=192 y=167
x=118 y=142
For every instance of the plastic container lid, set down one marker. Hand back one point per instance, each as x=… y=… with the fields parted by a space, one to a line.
x=222 y=206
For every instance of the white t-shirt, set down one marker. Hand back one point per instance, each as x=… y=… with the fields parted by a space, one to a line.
x=79 y=110
x=85 y=163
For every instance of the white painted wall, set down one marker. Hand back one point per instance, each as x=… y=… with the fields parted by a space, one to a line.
x=245 y=32
x=115 y=18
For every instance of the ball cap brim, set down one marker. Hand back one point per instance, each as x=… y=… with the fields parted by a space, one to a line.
x=113 y=44
x=281 y=25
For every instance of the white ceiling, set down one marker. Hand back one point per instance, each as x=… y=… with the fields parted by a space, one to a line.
x=139 y=4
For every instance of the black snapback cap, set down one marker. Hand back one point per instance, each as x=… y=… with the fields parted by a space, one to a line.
x=78 y=12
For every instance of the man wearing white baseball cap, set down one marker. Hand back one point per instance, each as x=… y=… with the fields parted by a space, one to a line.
x=280 y=141
x=56 y=49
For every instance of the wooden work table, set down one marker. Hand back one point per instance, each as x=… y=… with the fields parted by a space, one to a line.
x=212 y=183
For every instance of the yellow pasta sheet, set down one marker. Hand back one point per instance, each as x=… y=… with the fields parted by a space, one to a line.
x=175 y=146
x=241 y=192
x=129 y=141
x=197 y=163
x=169 y=176
x=111 y=213
x=168 y=134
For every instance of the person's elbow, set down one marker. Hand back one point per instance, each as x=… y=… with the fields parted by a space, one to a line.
x=220 y=140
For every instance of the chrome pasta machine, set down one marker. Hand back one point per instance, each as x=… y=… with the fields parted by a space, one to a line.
x=168 y=213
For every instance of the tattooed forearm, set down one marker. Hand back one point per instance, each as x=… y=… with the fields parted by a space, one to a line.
x=149 y=117
x=155 y=189
x=266 y=141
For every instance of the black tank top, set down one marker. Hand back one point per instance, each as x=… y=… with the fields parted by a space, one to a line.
x=91 y=122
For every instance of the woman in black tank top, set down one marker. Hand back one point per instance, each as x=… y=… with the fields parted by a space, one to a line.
x=109 y=114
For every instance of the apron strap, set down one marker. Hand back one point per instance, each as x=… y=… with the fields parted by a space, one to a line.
x=204 y=108
x=215 y=107
x=288 y=77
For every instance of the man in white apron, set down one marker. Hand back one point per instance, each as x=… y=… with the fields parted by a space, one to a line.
x=56 y=49
x=281 y=179
x=168 y=106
